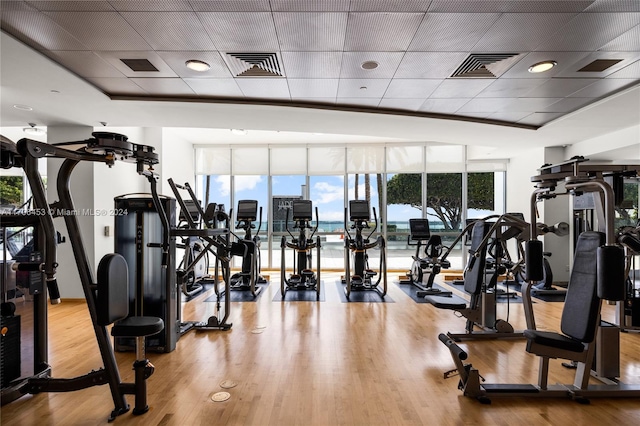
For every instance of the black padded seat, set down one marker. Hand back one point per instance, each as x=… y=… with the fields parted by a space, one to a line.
x=137 y=327
x=446 y=302
x=554 y=340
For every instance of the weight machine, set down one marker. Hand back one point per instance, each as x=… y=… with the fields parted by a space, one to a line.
x=599 y=273
x=303 y=278
x=432 y=262
x=357 y=246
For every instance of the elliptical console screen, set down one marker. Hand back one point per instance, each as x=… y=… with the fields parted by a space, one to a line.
x=359 y=210
x=302 y=210
x=247 y=210
x=419 y=229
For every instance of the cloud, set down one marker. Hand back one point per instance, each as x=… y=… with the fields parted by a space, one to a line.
x=326 y=193
x=224 y=184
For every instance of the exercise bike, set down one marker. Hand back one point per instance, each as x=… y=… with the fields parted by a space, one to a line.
x=303 y=278
x=356 y=249
x=247 y=247
x=431 y=264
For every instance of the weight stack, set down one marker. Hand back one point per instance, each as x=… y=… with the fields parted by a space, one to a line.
x=9 y=349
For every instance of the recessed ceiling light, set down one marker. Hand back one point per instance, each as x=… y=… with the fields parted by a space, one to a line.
x=23 y=107
x=542 y=66
x=239 y=132
x=197 y=65
x=363 y=87
x=369 y=65
x=33 y=130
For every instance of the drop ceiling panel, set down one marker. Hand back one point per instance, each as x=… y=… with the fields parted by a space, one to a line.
x=390 y=5
x=231 y=6
x=518 y=32
x=508 y=116
x=362 y=88
x=264 y=87
x=627 y=41
x=509 y=6
x=488 y=105
x=614 y=6
x=170 y=30
x=310 y=5
x=312 y=64
x=86 y=64
x=152 y=5
x=164 y=86
x=387 y=64
x=445 y=106
x=559 y=87
x=511 y=88
x=630 y=71
x=590 y=31
x=527 y=104
x=117 y=86
x=75 y=6
x=461 y=88
x=311 y=31
x=39 y=31
x=385 y=32
x=429 y=64
x=222 y=87
x=441 y=31
x=565 y=60
x=401 y=104
x=114 y=58
x=604 y=87
x=16 y=6
x=540 y=118
x=241 y=32
x=176 y=60
x=313 y=88
x=100 y=30
x=568 y=104
x=411 y=88
x=627 y=59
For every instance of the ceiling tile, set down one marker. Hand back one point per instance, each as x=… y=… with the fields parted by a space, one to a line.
x=164 y=86
x=76 y=6
x=565 y=61
x=509 y=6
x=404 y=103
x=508 y=116
x=589 y=31
x=630 y=71
x=614 y=6
x=387 y=64
x=117 y=86
x=627 y=58
x=627 y=41
x=85 y=64
x=311 y=31
x=568 y=104
x=461 y=87
x=511 y=88
x=264 y=87
x=444 y=106
x=100 y=30
x=559 y=87
x=488 y=105
x=526 y=104
x=390 y=5
x=231 y=6
x=540 y=118
x=223 y=87
x=441 y=31
x=368 y=102
x=310 y=5
x=176 y=60
x=170 y=30
x=312 y=64
x=411 y=88
x=17 y=6
x=604 y=87
x=114 y=58
x=313 y=88
x=39 y=31
x=152 y=5
x=241 y=32
x=521 y=32
x=429 y=64
x=383 y=32
x=353 y=88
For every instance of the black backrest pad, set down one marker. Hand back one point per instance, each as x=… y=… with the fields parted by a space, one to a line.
x=580 y=312
x=474 y=274
x=113 y=289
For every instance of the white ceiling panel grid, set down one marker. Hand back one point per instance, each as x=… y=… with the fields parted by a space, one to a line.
x=383 y=32
x=313 y=88
x=177 y=59
x=441 y=31
x=312 y=64
x=411 y=88
x=316 y=31
x=276 y=88
x=220 y=87
x=387 y=64
x=362 y=88
x=241 y=32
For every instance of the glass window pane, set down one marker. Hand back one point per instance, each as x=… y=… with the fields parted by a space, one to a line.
x=219 y=190
x=326 y=160
x=327 y=194
x=444 y=210
x=365 y=159
x=404 y=202
x=405 y=159
x=11 y=191
x=288 y=161
x=285 y=189
x=213 y=161
x=250 y=161
x=365 y=187
x=485 y=194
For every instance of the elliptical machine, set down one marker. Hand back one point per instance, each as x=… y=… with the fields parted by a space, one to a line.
x=303 y=278
x=431 y=264
x=248 y=248
x=357 y=246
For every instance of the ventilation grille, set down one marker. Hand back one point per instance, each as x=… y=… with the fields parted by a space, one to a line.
x=139 y=65
x=486 y=65
x=254 y=64
x=599 y=65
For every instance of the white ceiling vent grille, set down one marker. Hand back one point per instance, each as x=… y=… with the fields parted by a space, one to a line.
x=254 y=64
x=485 y=65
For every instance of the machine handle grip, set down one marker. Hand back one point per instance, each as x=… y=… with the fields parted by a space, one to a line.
x=456 y=350
x=26 y=266
x=54 y=291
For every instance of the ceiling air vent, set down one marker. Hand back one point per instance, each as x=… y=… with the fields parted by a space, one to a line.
x=485 y=65
x=254 y=64
x=599 y=65
x=139 y=65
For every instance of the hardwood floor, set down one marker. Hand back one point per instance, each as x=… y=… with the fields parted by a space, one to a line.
x=320 y=363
